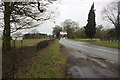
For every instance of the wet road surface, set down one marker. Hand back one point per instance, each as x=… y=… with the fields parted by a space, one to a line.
x=99 y=51
x=0 y=59
x=84 y=66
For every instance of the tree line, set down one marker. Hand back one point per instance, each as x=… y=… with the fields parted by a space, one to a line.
x=91 y=30
x=101 y=32
x=35 y=36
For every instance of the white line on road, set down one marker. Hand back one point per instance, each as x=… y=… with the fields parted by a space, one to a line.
x=91 y=47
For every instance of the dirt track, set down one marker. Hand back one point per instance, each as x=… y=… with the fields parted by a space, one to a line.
x=86 y=66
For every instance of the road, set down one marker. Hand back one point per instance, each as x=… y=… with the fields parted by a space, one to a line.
x=99 y=51
x=0 y=59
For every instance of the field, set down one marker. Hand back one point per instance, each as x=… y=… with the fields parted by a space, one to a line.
x=108 y=44
x=48 y=63
x=28 y=42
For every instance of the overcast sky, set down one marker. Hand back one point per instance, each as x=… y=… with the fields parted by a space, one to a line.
x=77 y=10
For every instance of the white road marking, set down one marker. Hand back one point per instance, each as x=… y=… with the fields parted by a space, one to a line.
x=91 y=47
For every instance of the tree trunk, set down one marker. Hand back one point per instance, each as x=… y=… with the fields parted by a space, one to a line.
x=6 y=31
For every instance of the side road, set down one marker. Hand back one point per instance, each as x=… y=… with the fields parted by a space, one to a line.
x=85 y=66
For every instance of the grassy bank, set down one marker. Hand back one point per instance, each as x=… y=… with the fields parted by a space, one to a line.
x=28 y=42
x=107 y=44
x=93 y=41
x=0 y=43
x=48 y=63
x=19 y=56
x=85 y=40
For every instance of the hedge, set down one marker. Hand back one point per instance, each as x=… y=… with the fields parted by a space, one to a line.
x=43 y=44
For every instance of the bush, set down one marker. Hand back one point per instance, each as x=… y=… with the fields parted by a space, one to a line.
x=43 y=44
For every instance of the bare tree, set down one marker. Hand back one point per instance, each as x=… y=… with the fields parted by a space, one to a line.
x=56 y=31
x=22 y=15
x=16 y=35
x=70 y=27
x=110 y=13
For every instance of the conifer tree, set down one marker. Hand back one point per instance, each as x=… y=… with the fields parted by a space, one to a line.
x=90 y=28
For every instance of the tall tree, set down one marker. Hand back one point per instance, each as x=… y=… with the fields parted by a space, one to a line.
x=70 y=27
x=99 y=31
x=6 y=33
x=80 y=33
x=56 y=31
x=90 y=28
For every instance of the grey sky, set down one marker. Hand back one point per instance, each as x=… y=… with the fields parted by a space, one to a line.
x=77 y=10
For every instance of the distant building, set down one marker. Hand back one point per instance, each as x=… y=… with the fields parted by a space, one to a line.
x=63 y=34
x=17 y=38
x=51 y=36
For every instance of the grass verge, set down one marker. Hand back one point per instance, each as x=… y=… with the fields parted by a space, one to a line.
x=48 y=63
x=107 y=44
x=85 y=40
x=93 y=41
x=19 y=56
x=0 y=43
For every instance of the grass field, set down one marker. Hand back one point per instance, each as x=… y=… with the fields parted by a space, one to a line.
x=28 y=42
x=48 y=63
x=108 y=44
x=85 y=40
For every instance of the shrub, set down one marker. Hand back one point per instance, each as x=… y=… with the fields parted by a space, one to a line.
x=43 y=44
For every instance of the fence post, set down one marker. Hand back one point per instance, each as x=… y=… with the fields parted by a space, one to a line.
x=13 y=57
x=21 y=44
x=14 y=45
x=34 y=49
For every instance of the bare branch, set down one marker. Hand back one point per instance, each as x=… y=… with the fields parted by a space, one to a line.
x=110 y=13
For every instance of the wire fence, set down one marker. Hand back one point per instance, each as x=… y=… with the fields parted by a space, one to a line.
x=15 y=59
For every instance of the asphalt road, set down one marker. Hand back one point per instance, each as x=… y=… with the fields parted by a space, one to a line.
x=99 y=51
x=0 y=59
